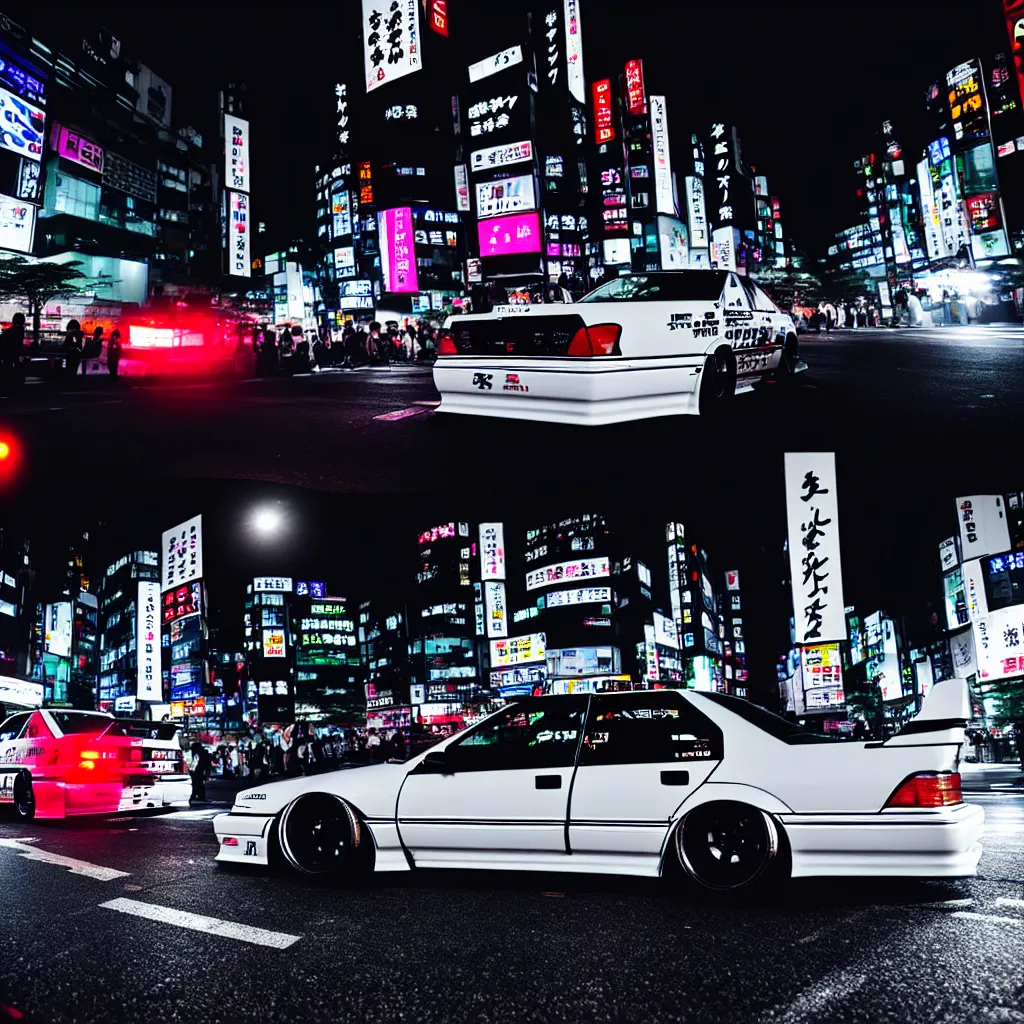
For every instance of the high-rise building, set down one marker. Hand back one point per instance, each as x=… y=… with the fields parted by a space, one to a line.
x=16 y=610
x=270 y=653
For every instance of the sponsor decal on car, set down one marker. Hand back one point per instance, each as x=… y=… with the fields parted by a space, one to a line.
x=679 y=321
x=510 y=310
x=748 y=337
x=738 y=315
x=482 y=381
x=250 y=848
x=253 y=796
x=513 y=383
x=706 y=328
x=7 y=787
x=753 y=363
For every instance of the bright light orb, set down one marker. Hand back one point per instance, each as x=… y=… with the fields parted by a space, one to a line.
x=267 y=521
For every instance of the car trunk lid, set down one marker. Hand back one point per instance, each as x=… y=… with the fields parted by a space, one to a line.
x=514 y=337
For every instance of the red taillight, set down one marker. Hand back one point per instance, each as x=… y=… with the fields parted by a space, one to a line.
x=598 y=340
x=929 y=790
x=446 y=344
x=229 y=841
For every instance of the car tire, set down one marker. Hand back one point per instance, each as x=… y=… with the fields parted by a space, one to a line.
x=24 y=797
x=717 y=382
x=785 y=372
x=727 y=846
x=319 y=834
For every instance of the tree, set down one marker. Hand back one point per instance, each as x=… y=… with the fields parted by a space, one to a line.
x=38 y=282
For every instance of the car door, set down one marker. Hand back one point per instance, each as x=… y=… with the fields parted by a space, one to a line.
x=11 y=752
x=502 y=796
x=643 y=755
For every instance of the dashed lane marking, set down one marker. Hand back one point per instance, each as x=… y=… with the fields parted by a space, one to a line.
x=990 y=918
x=1007 y=901
x=813 y=1003
x=198 y=923
x=946 y=904
x=402 y=414
x=76 y=867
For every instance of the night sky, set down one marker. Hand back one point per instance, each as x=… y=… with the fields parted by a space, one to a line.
x=807 y=83
x=894 y=510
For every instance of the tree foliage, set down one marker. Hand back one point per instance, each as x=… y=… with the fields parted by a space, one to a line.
x=37 y=282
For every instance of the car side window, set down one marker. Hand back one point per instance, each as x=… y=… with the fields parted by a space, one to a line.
x=528 y=735
x=11 y=729
x=762 y=302
x=36 y=729
x=648 y=728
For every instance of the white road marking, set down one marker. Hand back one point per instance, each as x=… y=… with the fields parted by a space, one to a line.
x=1007 y=901
x=210 y=812
x=76 y=867
x=813 y=1003
x=947 y=903
x=994 y=918
x=402 y=414
x=198 y=923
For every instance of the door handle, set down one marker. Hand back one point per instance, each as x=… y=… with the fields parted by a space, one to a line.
x=549 y=781
x=675 y=778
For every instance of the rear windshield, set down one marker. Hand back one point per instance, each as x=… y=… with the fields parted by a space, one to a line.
x=141 y=730
x=774 y=725
x=75 y=722
x=680 y=286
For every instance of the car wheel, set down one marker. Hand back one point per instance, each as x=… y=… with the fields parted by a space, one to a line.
x=24 y=798
x=319 y=834
x=727 y=846
x=718 y=381
x=785 y=372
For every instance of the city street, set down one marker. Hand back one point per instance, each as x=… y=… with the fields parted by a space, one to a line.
x=373 y=430
x=106 y=923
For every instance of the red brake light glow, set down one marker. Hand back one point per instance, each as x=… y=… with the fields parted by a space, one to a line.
x=446 y=344
x=928 y=790
x=230 y=841
x=597 y=340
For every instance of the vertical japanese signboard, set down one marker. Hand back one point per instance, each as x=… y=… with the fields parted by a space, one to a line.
x=492 y=551
x=635 y=96
x=236 y=153
x=439 y=17
x=664 y=200
x=1014 y=11
x=604 y=127
x=147 y=634
x=182 y=554
x=398 y=255
x=812 y=512
x=574 y=51
x=983 y=527
x=391 y=40
x=239 y=248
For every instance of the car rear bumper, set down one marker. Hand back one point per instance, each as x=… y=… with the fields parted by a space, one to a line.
x=574 y=391
x=251 y=835
x=175 y=791
x=940 y=843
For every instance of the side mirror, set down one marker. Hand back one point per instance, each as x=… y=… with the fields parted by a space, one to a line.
x=435 y=761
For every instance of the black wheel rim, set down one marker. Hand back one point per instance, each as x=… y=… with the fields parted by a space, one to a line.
x=725 y=848
x=318 y=834
x=721 y=374
x=24 y=800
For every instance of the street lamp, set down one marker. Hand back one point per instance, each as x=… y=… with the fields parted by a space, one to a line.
x=267 y=520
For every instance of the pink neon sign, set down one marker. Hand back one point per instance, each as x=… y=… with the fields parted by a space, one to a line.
x=503 y=235
x=399 y=253
x=77 y=148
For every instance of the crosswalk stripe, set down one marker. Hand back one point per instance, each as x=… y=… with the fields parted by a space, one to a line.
x=76 y=867
x=1007 y=901
x=199 y=923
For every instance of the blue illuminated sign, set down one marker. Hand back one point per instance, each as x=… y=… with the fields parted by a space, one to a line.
x=315 y=589
x=938 y=151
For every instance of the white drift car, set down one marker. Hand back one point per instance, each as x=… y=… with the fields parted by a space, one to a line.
x=639 y=346
x=628 y=783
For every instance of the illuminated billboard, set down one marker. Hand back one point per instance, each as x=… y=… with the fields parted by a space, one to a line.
x=662 y=160
x=492 y=551
x=492 y=65
x=76 y=149
x=1014 y=12
x=273 y=643
x=501 y=156
x=494 y=602
x=574 y=50
x=273 y=584
x=17 y=224
x=518 y=650
x=239 y=251
x=504 y=196
x=398 y=255
x=147 y=642
x=182 y=559
x=604 y=127
x=582 y=569
x=22 y=126
x=236 y=153
x=392 y=45
x=501 y=236
x=57 y=631
x=636 y=98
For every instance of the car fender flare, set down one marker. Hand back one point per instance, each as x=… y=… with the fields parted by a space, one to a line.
x=717 y=792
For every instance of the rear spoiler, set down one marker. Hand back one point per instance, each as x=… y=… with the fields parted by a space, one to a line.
x=943 y=718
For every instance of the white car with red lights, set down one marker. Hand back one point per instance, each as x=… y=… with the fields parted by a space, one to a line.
x=638 y=346
x=64 y=763
x=634 y=783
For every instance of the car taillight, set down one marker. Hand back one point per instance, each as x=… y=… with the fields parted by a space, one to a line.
x=598 y=340
x=229 y=841
x=928 y=790
x=446 y=344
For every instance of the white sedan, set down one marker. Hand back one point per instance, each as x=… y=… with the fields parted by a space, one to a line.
x=639 y=346
x=634 y=783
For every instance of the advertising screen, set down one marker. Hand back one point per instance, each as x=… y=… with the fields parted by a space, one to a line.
x=494 y=602
x=492 y=65
x=147 y=642
x=583 y=595
x=501 y=236
x=518 y=650
x=574 y=50
x=392 y=46
x=675 y=250
x=182 y=560
x=967 y=102
x=462 y=188
x=22 y=126
x=492 y=551
x=20 y=691
x=236 y=153
x=239 y=253
x=581 y=570
x=997 y=643
x=636 y=99
x=983 y=526
x=604 y=126
x=813 y=516
x=273 y=643
x=17 y=224
x=398 y=254
x=57 y=639
x=501 y=156
x=665 y=631
x=278 y=584
x=504 y=196
x=341 y=212
x=1014 y=11
x=822 y=667
x=439 y=17
x=662 y=160
x=77 y=148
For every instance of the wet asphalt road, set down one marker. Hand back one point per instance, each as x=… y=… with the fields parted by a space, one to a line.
x=922 y=391
x=494 y=947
